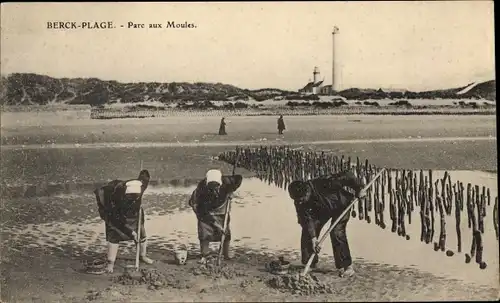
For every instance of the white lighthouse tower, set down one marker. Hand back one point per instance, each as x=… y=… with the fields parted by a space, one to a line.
x=335 y=86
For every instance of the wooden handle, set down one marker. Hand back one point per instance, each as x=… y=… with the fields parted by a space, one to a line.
x=138 y=245
x=226 y=215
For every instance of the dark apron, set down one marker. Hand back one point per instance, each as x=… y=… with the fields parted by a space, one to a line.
x=128 y=214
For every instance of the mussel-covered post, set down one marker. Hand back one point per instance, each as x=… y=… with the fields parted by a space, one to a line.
x=457 y=221
x=442 y=234
x=495 y=216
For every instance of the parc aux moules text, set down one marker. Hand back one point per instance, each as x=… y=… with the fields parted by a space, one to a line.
x=63 y=25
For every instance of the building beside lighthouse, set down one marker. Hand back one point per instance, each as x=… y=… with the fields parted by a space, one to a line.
x=313 y=87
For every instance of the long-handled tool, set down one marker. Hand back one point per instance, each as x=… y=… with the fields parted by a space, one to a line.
x=138 y=245
x=311 y=258
x=226 y=215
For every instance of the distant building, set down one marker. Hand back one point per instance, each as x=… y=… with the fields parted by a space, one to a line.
x=313 y=87
x=325 y=90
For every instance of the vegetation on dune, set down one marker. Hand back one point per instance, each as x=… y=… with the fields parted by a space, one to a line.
x=34 y=89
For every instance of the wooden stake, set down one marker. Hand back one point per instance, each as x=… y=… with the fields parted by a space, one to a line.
x=442 y=235
x=495 y=217
x=457 y=225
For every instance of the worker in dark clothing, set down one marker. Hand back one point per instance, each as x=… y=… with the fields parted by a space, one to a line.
x=209 y=201
x=222 y=127
x=318 y=200
x=281 y=125
x=119 y=203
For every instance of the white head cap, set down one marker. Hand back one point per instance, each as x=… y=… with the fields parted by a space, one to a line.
x=133 y=187
x=214 y=175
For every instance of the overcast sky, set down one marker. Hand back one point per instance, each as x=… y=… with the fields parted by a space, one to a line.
x=413 y=45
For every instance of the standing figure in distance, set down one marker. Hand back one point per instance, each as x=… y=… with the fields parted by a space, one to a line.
x=281 y=125
x=318 y=200
x=119 y=203
x=222 y=127
x=209 y=201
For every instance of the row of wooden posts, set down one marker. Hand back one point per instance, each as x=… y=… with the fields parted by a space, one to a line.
x=403 y=190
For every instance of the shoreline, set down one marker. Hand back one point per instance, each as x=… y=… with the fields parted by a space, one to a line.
x=266 y=110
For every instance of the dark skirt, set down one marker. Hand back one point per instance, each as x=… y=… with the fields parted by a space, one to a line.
x=115 y=235
x=207 y=231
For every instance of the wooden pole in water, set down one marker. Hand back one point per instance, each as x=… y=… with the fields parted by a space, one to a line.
x=488 y=196
x=393 y=211
x=382 y=193
x=442 y=235
x=443 y=189
x=469 y=203
x=450 y=196
x=402 y=211
x=361 y=214
x=376 y=202
x=358 y=168
x=408 y=193
x=431 y=205
x=457 y=224
x=479 y=246
x=369 y=195
x=495 y=216
x=421 y=199
x=483 y=207
x=474 y=226
x=462 y=198
x=479 y=209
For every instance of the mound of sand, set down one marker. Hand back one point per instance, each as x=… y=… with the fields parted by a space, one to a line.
x=300 y=285
x=154 y=280
x=225 y=271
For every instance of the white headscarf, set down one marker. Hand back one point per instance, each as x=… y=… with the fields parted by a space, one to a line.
x=214 y=175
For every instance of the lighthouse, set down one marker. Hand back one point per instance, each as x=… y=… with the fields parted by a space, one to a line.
x=335 y=85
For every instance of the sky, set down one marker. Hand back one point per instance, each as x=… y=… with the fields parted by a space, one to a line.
x=402 y=45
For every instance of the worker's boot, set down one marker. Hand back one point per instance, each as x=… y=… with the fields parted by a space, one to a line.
x=225 y=249
x=204 y=250
x=347 y=272
x=142 y=255
x=112 y=252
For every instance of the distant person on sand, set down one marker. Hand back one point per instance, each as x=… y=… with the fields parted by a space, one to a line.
x=222 y=127
x=119 y=203
x=281 y=125
x=209 y=201
x=318 y=200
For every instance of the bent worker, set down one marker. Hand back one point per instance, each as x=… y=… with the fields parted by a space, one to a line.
x=209 y=201
x=119 y=203
x=318 y=200
x=281 y=125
